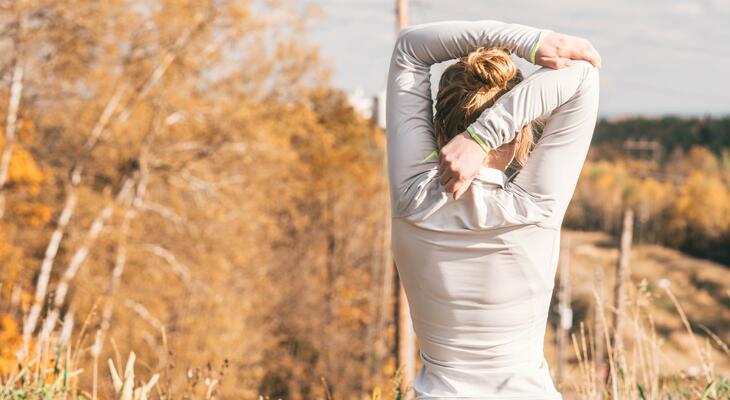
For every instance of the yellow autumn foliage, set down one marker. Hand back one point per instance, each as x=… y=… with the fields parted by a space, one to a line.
x=10 y=342
x=704 y=204
x=23 y=168
x=33 y=213
x=11 y=260
x=651 y=197
x=684 y=203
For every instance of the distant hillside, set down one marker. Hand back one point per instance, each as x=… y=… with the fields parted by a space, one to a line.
x=672 y=133
x=673 y=172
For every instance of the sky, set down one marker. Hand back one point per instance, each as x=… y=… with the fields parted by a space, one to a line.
x=659 y=56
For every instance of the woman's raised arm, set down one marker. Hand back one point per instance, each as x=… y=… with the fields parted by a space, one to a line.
x=409 y=110
x=570 y=97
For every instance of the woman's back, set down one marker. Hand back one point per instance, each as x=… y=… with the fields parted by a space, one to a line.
x=478 y=271
x=478 y=297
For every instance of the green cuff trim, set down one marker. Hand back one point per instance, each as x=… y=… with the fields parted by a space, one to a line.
x=535 y=46
x=479 y=140
x=433 y=154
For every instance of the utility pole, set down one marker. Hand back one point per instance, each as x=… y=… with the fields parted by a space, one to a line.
x=623 y=273
x=406 y=355
x=401 y=14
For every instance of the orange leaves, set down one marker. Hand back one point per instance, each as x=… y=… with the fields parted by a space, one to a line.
x=10 y=341
x=24 y=170
x=26 y=130
x=12 y=259
x=33 y=213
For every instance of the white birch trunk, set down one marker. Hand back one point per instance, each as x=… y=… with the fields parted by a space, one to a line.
x=16 y=89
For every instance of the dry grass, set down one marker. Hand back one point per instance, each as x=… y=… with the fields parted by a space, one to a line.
x=637 y=372
x=47 y=369
x=672 y=349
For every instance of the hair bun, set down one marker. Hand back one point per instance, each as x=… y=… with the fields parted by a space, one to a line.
x=492 y=66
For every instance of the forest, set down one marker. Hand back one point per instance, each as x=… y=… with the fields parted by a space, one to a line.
x=675 y=173
x=179 y=180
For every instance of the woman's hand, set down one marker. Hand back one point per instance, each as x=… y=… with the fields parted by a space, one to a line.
x=557 y=50
x=462 y=156
x=460 y=160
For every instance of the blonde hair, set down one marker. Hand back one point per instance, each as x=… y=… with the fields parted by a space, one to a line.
x=470 y=86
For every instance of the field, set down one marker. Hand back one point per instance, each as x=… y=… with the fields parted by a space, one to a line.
x=182 y=185
x=667 y=348
x=661 y=358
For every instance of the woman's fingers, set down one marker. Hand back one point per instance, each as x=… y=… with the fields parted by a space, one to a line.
x=450 y=181
x=461 y=189
x=555 y=62
x=585 y=51
x=556 y=47
x=595 y=58
x=449 y=185
x=454 y=186
x=444 y=174
x=450 y=178
x=458 y=186
x=562 y=62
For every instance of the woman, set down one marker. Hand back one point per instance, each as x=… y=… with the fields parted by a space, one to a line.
x=478 y=267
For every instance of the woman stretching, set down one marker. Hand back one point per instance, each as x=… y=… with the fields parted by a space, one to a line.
x=478 y=266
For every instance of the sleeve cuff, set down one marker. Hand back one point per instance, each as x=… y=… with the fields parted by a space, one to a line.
x=476 y=137
x=536 y=45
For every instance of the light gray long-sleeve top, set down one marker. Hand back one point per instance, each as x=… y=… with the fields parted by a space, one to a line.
x=479 y=271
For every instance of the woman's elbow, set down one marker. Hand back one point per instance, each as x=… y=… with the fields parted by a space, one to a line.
x=403 y=36
x=590 y=76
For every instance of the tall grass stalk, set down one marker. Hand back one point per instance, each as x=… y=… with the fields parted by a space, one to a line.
x=636 y=370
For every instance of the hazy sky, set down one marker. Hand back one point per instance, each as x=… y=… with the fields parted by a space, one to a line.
x=659 y=56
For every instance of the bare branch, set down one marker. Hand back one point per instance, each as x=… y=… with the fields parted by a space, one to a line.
x=181 y=270
x=146 y=315
x=163 y=211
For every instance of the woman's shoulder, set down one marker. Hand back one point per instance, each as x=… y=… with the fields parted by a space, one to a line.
x=484 y=206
